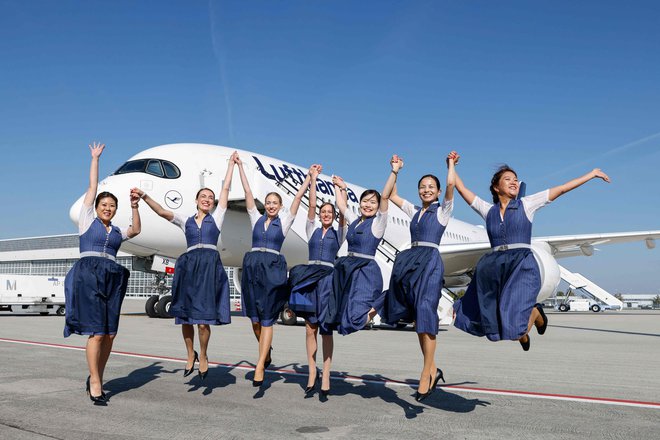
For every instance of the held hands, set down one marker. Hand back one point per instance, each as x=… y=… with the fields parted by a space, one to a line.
x=233 y=158
x=338 y=181
x=597 y=173
x=315 y=170
x=453 y=157
x=96 y=148
x=397 y=163
x=136 y=195
x=237 y=160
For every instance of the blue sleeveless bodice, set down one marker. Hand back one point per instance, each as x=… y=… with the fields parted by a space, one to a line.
x=427 y=228
x=97 y=239
x=516 y=227
x=360 y=238
x=324 y=248
x=206 y=233
x=271 y=238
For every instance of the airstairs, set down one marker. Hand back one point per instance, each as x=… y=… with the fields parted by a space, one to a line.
x=579 y=282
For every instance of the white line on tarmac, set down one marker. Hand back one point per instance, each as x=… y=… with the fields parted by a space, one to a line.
x=499 y=392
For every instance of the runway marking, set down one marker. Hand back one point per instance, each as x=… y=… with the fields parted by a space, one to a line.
x=391 y=382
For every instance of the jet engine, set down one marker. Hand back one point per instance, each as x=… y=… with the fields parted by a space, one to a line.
x=550 y=275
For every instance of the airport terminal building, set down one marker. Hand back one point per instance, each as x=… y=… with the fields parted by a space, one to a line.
x=54 y=255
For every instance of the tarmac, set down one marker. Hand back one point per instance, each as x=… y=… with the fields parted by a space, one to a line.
x=592 y=375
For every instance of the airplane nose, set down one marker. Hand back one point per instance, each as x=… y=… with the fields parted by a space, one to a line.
x=74 y=211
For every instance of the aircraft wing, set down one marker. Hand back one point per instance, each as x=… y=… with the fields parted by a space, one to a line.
x=461 y=258
x=573 y=245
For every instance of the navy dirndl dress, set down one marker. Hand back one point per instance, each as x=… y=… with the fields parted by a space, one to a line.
x=357 y=283
x=311 y=284
x=200 y=288
x=264 y=286
x=506 y=281
x=95 y=287
x=417 y=275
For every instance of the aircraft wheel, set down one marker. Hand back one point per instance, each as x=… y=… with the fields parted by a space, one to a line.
x=163 y=306
x=288 y=316
x=150 y=306
x=60 y=311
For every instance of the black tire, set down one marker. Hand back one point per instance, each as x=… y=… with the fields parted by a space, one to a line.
x=595 y=308
x=150 y=306
x=163 y=306
x=288 y=316
x=564 y=307
x=60 y=311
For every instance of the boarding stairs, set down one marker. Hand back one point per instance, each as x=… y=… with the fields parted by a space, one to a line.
x=579 y=282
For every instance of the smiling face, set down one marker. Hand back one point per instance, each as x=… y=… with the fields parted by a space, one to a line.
x=508 y=185
x=205 y=200
x=369 y=205
x=327 y=215
x=428 y=190
x=273 y=205
x=106 y=208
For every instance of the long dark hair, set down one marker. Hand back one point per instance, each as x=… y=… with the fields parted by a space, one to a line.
x=496 y=180
x=103 y=195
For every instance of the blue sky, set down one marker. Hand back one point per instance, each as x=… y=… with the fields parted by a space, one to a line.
x=551 y=88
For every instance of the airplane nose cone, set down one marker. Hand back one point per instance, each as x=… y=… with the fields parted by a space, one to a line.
x=74 y=211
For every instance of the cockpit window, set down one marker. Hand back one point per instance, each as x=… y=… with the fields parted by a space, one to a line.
x=155 y=167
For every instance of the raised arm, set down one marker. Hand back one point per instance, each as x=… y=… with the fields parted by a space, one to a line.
x=249 y=198
x=226 y=186
x=154 y=205
x=314 y=172
x=557 y=191
x=452 y=159
x=340 y=194
x=396 y=163
x=467 y=195
x=96 y=148
x=136 y=225
x=394 y=196
x=301 y=192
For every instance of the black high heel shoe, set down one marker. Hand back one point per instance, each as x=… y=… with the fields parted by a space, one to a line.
x=434 y=382
x=202 y=374
x=543 y=326
x=97 y=400
x=187 y=372
x=525 y=345
x=310 y=390
x=324 y=393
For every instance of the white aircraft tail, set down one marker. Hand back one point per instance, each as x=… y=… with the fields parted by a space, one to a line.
x=577 y=281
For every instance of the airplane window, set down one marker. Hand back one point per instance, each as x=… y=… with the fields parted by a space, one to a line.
x=133 y=166
x=153 y=167
x=171 y=170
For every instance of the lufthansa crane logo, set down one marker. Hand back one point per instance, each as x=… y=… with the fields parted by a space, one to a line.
x=173 y=199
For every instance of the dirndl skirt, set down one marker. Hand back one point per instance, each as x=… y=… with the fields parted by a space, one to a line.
x=501 y=295
x=200 y=289
x=311 y=286
x=357 y=286
x=264 y=287
x=415 y=289
x=94 y=290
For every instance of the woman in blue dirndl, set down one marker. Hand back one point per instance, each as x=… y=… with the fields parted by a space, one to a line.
x=358 y=283
x=264 y=286
x=311 y=284
x=200 y=288
x=501 y=300
x=95 y=286
x=417 y=275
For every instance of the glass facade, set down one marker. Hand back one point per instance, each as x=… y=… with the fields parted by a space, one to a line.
x=140 y=284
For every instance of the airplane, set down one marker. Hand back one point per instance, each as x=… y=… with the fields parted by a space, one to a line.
x=172 y=174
